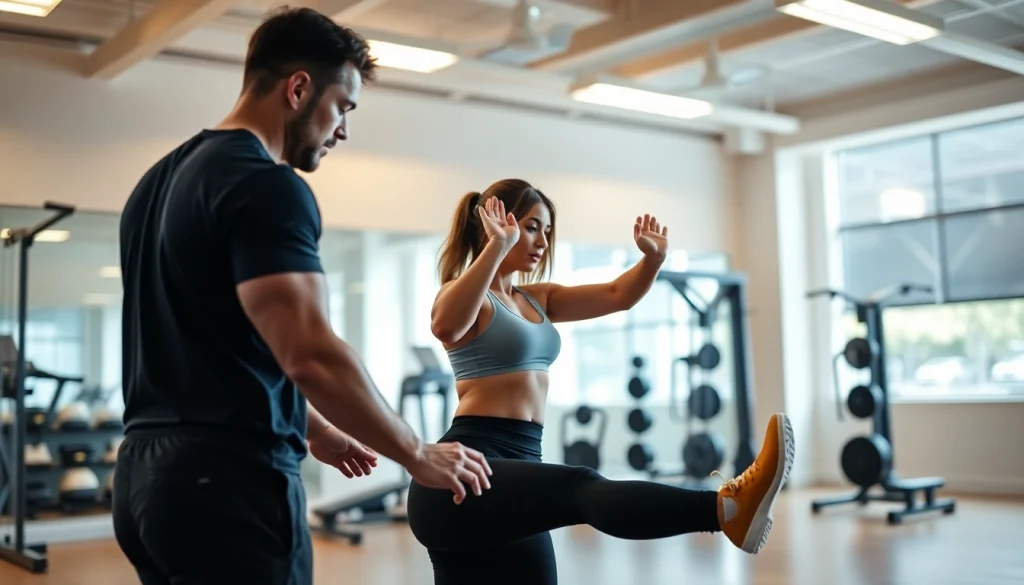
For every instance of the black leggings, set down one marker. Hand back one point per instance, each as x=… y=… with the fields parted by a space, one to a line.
x=502 y=536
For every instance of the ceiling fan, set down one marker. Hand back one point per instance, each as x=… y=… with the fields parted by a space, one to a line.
x=525 y=41
x=715 y=80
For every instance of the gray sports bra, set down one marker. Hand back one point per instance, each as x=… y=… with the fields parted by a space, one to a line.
x=509 y=343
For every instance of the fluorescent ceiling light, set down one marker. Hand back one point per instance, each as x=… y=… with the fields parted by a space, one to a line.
x=881 y=19
x=628 y=98
x=110 y=272
x=410 y=58
x=29 y=7
x=53 y=236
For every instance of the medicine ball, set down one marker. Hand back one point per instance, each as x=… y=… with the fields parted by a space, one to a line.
x=38 y=455
x=73 y=416
x=107 y=419
x=79 y=485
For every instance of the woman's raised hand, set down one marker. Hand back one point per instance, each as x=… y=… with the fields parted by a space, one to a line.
x=650 y=236
x=499 y=225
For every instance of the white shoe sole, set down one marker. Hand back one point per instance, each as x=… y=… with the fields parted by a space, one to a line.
x=761 y=527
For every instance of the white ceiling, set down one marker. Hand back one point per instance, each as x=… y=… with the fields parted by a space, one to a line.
x=825 y=62
x=783 y=71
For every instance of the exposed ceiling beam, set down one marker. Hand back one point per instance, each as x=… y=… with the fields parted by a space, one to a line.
x=605 y=6
x=647 y=21
x=164 y=23
x=774 y=29
x=341 y=10
x=777 y=27
x=488 y=81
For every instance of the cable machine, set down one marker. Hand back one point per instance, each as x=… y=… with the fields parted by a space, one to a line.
x=17 y=551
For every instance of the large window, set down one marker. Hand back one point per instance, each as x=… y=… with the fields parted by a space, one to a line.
x=945 y=210
x=595 y=363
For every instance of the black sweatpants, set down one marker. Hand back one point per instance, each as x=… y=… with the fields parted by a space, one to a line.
x=193 y=509
x=502 y=536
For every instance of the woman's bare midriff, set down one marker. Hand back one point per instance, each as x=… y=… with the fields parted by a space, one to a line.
x=517 y=395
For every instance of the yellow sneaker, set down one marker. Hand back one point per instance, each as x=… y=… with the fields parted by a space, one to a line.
x=745 y=502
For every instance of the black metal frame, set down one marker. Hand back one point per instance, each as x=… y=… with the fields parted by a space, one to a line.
x=894 y=489
x=431 y=380
x=732 y=289
x=31 y=557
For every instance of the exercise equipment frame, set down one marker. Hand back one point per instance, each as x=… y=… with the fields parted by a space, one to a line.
x=373 y=503
x=32 y=557
x=732 y=289
x=893 y=488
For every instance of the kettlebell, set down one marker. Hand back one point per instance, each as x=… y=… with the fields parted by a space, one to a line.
x=107 y=419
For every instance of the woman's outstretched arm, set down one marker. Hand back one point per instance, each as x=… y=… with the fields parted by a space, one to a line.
x=458 y=302
x=589 y=301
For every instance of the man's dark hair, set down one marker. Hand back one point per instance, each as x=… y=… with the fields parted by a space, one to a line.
x=302 y=39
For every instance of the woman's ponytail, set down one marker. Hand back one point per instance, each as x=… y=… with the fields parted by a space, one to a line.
x=464 y=239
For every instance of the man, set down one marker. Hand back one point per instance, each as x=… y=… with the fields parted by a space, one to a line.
x=226 y=334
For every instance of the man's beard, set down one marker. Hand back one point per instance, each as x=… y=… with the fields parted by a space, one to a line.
x=298 y=152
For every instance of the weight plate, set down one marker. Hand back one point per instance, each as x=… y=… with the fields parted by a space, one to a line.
x=702 y=454
x=638 y=387
x=704 y=402
x=639 y=420
x=858 y=352
x=866 y=460
x=584 y=414
x=709 y=357
x=640 y=456
x=863 y=400
x=582 y=453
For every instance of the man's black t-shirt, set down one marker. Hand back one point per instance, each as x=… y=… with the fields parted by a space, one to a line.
x=213 y=213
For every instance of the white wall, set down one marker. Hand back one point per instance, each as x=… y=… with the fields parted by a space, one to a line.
x=972 y=445
x=408 y=160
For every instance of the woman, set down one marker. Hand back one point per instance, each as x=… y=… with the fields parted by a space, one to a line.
x=500 y=341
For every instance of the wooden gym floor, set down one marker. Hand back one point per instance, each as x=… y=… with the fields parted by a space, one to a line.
x=981 y=544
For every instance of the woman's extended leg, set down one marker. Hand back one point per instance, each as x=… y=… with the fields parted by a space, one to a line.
x=528 y=498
